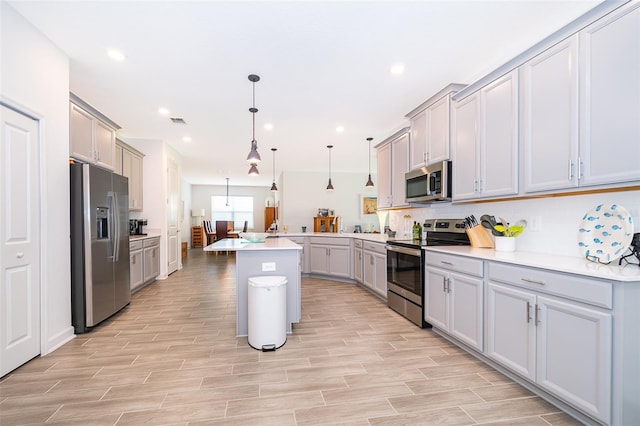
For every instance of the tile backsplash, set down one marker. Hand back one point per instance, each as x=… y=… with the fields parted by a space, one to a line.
x=556 y=218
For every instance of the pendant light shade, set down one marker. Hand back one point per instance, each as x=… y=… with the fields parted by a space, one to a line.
x=369 y=181
x=227 y=203
x=330 y=186
x=254 y=157
x=274 y=188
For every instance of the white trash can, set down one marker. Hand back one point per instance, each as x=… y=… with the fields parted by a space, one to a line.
x=267 y=312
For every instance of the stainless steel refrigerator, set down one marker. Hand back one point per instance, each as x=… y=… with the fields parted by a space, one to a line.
x=99 y=245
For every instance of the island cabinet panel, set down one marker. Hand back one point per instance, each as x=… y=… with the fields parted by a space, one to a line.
x=562 y=345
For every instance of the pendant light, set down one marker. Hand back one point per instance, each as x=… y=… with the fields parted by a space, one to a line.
x=329 y=186
x=254 y=157
x=369 y=181
x=227 y=203
x=274 y=188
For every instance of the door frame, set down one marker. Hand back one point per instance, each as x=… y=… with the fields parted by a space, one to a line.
x=42 y=186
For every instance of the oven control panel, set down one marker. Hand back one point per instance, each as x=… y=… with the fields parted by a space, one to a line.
x=444 y=225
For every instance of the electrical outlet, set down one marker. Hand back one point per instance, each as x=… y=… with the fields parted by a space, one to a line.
x=535 y=223
x=268 y=266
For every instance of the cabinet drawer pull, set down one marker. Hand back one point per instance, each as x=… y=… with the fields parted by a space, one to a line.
x=527 y=280
x=446 y=263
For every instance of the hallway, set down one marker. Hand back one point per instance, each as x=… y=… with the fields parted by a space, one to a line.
x=172 y=358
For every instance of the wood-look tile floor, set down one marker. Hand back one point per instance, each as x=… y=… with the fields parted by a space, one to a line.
x=172 y=358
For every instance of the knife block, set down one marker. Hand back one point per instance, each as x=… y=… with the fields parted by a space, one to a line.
x=479 y=237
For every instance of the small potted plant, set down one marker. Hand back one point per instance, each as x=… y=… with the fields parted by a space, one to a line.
x=507 y=241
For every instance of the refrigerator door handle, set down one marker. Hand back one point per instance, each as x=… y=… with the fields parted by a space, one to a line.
x=113 y=240
x=116 y=227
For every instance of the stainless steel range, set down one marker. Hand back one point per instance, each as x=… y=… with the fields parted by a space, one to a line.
x=405 y=266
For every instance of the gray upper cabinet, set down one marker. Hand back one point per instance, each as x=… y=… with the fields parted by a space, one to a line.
x=549 y=118
x=92 y=137
x=485 y=141
x=580 y=108
x=393 y=163
x=129 y=164
x=430 y=129
x=610 y=99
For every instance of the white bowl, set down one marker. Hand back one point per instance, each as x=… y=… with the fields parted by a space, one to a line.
x=254 y=237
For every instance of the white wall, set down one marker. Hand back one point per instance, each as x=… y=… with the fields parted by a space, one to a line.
x=560 y=217
x=34 y=77
x=303 y=193
x=201 y=199
x=185 y=224
x=155 y=192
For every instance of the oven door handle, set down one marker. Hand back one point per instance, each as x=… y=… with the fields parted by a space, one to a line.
x=404 y=250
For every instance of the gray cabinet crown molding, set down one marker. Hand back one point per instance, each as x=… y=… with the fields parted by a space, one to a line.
x=568 y=30
x=394 y=136
x=451 y=88
x=91 y=110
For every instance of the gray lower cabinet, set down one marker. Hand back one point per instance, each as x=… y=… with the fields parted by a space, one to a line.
x=144 y=261
x=151 y=258
x=330 y=256
x=454 y=289
x=555 y=330
x=358 y=261
x=136 y=264
x=374 y=266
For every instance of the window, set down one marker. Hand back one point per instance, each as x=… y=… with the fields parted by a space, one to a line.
x=240 y=208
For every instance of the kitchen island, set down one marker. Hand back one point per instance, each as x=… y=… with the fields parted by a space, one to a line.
x=275 y=256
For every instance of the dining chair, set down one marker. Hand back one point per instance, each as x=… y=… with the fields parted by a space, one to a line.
x=209 y=231
x=222 y=229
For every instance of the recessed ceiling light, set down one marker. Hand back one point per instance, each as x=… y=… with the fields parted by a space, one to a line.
x=116 y=55
x=186 y=139
x=339 y=129
x=397 y=69
x=163 y=111
x=268 y=126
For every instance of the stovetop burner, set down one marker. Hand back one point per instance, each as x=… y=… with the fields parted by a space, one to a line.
x=439 y=232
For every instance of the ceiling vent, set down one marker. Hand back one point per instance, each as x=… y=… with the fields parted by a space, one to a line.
x=177 y=120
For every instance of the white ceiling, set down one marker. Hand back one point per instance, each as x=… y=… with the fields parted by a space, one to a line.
x=322 y=64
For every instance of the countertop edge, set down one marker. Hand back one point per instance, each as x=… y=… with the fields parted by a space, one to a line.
x=572 y=265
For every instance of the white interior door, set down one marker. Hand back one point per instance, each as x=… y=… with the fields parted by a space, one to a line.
x=173 y=224
x=20 y=240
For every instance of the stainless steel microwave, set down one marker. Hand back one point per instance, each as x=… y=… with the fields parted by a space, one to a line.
x=429 y=184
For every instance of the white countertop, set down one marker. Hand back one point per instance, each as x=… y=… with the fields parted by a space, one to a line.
x=378 y=238
x=572 y=265
x=240 y=244
x=142 y=237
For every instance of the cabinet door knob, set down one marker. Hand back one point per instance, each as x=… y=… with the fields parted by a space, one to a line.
x=19 y=255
